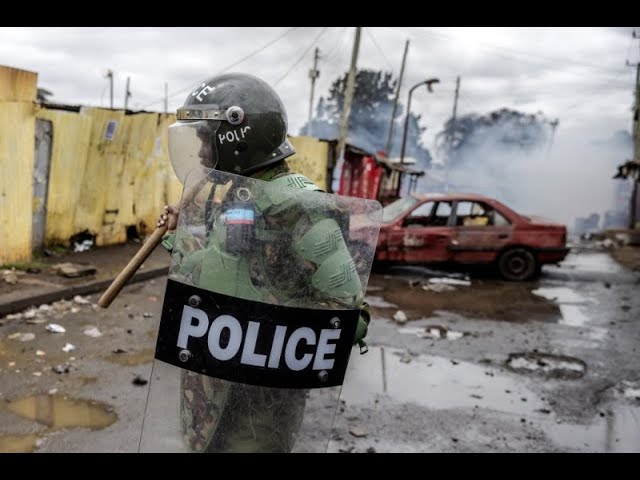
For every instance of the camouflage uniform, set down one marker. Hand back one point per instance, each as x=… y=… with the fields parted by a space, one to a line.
x=220 y=416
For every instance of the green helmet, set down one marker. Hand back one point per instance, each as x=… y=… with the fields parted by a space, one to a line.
x=234 y=122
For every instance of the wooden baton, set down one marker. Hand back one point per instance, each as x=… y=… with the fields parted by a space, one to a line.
x=134 y=264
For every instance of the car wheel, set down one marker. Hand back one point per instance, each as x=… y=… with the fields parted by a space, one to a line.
x=517 y=264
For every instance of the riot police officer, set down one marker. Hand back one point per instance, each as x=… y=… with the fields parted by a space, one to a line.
x=236 y=123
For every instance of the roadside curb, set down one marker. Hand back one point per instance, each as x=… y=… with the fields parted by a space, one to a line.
x=19 y=304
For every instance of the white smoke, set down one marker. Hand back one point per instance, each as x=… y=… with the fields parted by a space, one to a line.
x=568 y=178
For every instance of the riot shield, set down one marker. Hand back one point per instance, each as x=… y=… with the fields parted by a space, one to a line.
x=259 y=317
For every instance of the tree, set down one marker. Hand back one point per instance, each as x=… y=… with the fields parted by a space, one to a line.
x=43 y=95
x=504 y=131
x=370 y=115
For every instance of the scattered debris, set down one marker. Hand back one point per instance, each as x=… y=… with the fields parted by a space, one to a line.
x=29 y=314
x=82 y=246
x=147 y=315
x=68 y=348
x=406 y=358
x=139 y=381
x=73 y=270
x=358 y=431
x=348 y=450
x=55 y=328
x=553 y=366
x=400 y=317
x=75 y=309
x=119 y=350
x=14 y=316
x=438 y=287
x=92 y=332
x=81 y=300
x=23 y=337
x=629 y=389
x=440 y=331
x=63 y=368
x=450 y=281
x=153 y=298
x=10 y=277
x=53 y=391
x=44 y=307
x=36 y=374
x=543 y=410
x=40 y=353
x=473 y=395
x=36 y=321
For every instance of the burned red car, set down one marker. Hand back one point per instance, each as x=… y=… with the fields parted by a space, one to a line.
x=468 y=229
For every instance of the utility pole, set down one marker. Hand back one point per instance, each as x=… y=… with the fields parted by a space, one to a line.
x=166 y=97
x=635 y=176
x=313 y=74
x=110 y=77
x=127 y=94
x=451 y=134
x=348 y=97
x=387 y=148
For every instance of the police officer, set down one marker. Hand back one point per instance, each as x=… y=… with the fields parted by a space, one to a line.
x=236 y=123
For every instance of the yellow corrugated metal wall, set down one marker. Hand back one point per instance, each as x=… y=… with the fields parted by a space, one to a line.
x=69 y=149
x=17 y=144
x=17 y=140
x=310 y=159
x=17 y=85
x=102 y=179
x=102 y=170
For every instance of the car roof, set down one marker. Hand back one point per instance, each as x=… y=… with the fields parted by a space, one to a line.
x=451 y=196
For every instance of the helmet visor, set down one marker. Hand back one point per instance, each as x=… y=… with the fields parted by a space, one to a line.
x=192 y=144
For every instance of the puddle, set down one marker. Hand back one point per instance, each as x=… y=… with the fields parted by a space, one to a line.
x=488 y=299
x=18 y=443
x=433 y=382
x=62 y=412
x=593 y=262
x=133 y=358
x=571 y=305
x=548 y=365
x=560 y=295
x=618 y=431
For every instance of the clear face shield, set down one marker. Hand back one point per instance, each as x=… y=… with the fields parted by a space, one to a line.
x=192 y=145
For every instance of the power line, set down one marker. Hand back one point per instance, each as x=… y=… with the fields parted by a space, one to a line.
x=379 y=49
x=515 y=53
x=246 y=57
x=341 y=40
x=304 y=54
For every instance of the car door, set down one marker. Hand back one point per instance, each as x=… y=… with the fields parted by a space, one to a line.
x=425 y=233
x=480 y=232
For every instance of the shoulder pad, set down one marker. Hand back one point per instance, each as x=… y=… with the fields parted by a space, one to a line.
x=296 y=180
x=277 y=188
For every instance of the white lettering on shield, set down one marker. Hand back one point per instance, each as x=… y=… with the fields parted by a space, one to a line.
x=278 y=342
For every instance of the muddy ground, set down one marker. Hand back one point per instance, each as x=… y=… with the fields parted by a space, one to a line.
x=492 y=366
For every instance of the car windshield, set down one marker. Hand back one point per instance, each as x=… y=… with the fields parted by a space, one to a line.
x=397 y=208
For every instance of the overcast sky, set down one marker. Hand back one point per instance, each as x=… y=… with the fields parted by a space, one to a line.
x=577 y=75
